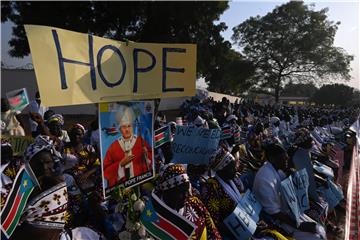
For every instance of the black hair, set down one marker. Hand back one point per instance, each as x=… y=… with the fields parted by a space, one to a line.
x=5 y=106
x=48 y=114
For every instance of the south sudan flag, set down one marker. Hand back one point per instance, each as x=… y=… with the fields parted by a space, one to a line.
x=225 y=132
x=236 y=134
x=16 y=202
x=162 y=135
x=165 y=223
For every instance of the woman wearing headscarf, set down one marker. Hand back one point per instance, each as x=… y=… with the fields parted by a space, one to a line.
x=55 y=124
x=173 y=192
x=45 y=213
x=221 y=193
x=251 y=155
x=80 y=167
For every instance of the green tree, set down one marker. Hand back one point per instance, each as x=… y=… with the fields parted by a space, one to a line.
x=140 y=21
x=299 y=90
x=338 y=94
x=293 y=43
x=232 y=74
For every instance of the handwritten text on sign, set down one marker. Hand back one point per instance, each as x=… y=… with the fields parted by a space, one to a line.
x=81 y=68
x=194 y=145
x=240 y=223
x=251 y=206
x=288 y=191
x=300 y=180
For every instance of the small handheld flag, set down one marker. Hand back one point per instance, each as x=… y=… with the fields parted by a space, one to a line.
x=16 y=202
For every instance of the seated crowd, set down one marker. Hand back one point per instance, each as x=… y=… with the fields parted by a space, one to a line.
x=267 y=145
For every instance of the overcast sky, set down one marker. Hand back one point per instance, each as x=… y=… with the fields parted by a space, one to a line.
x=347 y=36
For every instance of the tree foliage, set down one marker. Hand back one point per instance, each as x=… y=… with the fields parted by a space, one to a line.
x=140 y=21
x=299 y=90
x=232 y=74
x=293 y=43
x=337 y=94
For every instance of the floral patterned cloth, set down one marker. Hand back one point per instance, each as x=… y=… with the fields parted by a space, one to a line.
x=216 y=200
x=79 y=163
x=48 y=209
x=196 y=212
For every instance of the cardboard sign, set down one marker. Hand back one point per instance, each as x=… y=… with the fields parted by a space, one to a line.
x=193 y=145
x=336 y=189
x=18 y=99
x=19 y=143
x=329 y=196
x=89 y=69
x=251 y=205
x=322 y=168
x=126 y=141
x=241 y=225
x=288 y=191
x=300 y=180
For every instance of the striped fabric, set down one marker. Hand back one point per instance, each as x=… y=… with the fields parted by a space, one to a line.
x=16 y=202
x=226 y=132
x=165 y=223
x=352 y=221
x=162 y=135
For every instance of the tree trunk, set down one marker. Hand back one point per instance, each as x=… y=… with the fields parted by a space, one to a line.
x=277 y=93
x=277 y=89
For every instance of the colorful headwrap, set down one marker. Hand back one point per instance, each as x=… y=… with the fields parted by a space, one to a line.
x=79 y=126
x=301 y=136
x=41 y=143
x=172 y=175
x=220 y=159
x=48 y=209
x=56 y=118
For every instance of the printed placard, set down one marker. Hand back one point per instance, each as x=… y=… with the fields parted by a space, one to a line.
x=126 y=143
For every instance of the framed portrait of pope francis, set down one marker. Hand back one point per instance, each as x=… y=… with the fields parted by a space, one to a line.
x=126 y=141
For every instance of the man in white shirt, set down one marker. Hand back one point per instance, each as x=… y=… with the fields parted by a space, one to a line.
x=267 y=190
x=36 y=107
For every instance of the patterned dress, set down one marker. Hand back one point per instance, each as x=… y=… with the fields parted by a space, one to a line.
x=196 y=212
x=79 y=163
x=216 y=200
